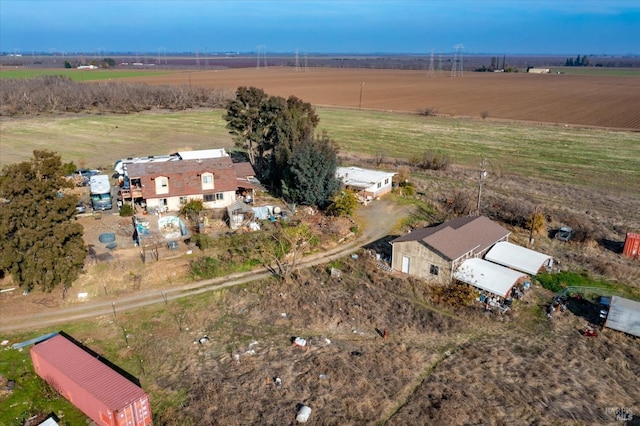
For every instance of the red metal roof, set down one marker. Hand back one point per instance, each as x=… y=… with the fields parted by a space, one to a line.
x=97 y=378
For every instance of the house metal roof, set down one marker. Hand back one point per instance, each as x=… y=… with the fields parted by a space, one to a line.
x=361 y=178
x=94 y=376
x=517 y=257
x=488 y=276
x=459 y=236
x=202 y=154
x=624 y=315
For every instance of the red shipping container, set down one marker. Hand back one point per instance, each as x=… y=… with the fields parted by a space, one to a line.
x=632 y=245
x=97 y=389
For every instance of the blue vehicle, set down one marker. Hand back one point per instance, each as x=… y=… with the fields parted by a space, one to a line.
x=100 y=192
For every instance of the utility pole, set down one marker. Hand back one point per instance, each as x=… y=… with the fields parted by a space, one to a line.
x=483 y=174
x=531 y=225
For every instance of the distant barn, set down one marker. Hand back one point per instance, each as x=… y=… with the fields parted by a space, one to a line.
x=538 y=70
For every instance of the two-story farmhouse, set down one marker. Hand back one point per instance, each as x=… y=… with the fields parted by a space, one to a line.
x=436 y=252
x=166 y=186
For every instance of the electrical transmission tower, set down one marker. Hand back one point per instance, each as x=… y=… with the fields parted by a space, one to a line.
x=297 y=62
x=456 y=66
x=306 y=65
x=262 y=54
x=440 y=62
x=431 y=73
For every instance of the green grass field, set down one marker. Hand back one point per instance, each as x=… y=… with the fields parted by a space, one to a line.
x=597 y=71
x=584 y=157
x=75 y=74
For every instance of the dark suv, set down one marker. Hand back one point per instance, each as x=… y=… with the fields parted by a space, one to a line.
x=564 y=234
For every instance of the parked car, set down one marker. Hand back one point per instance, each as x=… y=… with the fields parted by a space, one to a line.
x=564 y=234
x=80 y=207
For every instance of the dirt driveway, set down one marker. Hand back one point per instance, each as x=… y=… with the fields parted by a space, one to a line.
x=39 y=310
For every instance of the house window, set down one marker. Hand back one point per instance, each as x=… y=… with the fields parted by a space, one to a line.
x=219 y=196
x=434 y=270
x=208 y=198
x=183 y=200
x=207 y=180
x=386 y=181
x=162 y=185
x=379 y=184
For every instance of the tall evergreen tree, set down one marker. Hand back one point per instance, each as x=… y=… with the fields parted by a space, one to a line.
x=310 y=178
x=244 y=122
x=297 y=124
x=41 y=245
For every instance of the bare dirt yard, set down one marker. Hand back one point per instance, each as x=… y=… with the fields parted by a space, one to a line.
x=601 y=101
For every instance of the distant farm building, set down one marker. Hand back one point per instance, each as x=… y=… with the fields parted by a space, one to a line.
x=108 y=396
x=538 y=70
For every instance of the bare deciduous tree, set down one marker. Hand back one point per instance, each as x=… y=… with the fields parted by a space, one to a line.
x=58 y=94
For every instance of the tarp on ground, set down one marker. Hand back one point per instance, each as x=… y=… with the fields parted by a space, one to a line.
x=488 y=276
x=518 y=257
x=263 y=212
x=624 y=315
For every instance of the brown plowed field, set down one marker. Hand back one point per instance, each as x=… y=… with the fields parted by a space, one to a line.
x=602 y=101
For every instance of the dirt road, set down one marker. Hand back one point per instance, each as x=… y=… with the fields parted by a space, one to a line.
x=377 y=219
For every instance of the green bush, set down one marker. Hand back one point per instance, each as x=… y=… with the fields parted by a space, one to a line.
x=192 y=208
x=343 y=203
x=406 y=189
x=126 y=210
x=202 y=241
x=557 y=282
x=205 y=267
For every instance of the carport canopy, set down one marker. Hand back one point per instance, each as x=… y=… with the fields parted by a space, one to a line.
x=518 y=257
x=624 y=315
x=488 y=276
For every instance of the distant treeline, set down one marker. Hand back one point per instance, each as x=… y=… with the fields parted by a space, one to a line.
x=441 y=61
x=58 y=94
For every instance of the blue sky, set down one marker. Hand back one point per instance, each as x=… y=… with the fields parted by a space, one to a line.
x=609 y=27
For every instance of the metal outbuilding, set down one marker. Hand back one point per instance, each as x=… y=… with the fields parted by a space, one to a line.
x=624 y=315
x=632 y=245
x=488 y=276
x=518 y=258
x=91 y=383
